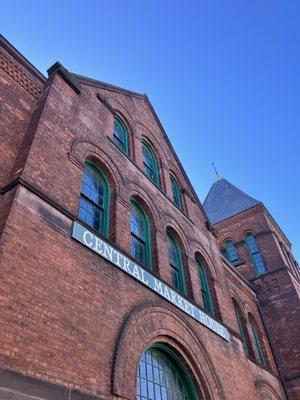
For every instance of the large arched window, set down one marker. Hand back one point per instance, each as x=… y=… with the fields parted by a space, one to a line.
x=176 y=193
x=175 y=263
x=150 y=163
x=205 y=290
x=94 y=199
x=230 y=251
x=140 y=237
x=161 y=376
x=257 y=342
x=120 y=135
x=242 y=329
x=255 y=256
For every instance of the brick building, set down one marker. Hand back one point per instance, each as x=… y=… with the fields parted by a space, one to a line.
x=113 y=285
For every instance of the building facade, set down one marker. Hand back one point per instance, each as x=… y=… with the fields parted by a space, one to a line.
x=112 y=281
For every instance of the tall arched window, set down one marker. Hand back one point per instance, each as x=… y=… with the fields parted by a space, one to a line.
x=257 y=342
x=230 y=251
x=242 y=329
x=120 y=135
x=176 y=193
x=255 y=256
x=150 y=163
x=205 y=290
x=140 y=237
x=94 y=199
x=175 y=263
x=161 y=376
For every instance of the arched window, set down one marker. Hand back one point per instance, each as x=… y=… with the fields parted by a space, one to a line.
x=94 y=199
x=255 y=256
x=161 y=376
x=230 y=251
x=257 y=342
x=150 y=163
x=242 y=329
x=120 y=135
x=206 y=295
x=176 y=193
x=175 y=263
x=140 y=238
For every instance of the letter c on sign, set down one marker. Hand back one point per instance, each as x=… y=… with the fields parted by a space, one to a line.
x=90 y=244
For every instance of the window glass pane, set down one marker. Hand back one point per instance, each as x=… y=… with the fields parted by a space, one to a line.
x=254 y=253
x=139 y=235
x=90 y=214
x=176 y=193
x=258 y=345
x=231 y=253
x=120 y=135
x=149 y=164
x=92 y=185
x=175 y=264
x=164 y=382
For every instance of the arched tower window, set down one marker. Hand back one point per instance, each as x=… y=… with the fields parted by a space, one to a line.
x=150 y=163
x=175 y=263
x=230 y=251
x=242 y=329
x=255 y=256
x=140 y=236
x=257 y=342
x=205 y=290
x=94 y=199
x=120 y=134
x=176 y=193
x=160 y=376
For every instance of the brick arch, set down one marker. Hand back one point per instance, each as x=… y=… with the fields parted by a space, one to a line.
x=150 y=323
x=197 y=248
x=171 y=223
x=265 y=391
x=147 y=134
x=82 y=150
x=137 y=190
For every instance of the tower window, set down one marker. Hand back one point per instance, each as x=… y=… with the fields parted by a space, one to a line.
x=255 y=256
x=230 y=251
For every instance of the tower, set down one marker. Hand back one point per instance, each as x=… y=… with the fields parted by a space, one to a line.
x=252 y=241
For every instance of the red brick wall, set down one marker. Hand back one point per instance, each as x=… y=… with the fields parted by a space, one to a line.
x=74 y=320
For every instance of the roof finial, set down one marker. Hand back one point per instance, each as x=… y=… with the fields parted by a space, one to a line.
x=218 y=176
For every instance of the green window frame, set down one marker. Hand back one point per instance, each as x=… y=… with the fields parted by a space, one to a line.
x=205 y=290
x=150 y=163
x=94 y=199
x=254 y=254
x=120 y=135
x=230 y=251
x=258 y=346
x=140 y=235
x=242 y=332
x=175 y=263
x=176 y=193
x=161 y=376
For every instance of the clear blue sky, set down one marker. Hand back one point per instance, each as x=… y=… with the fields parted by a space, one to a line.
x=223 y=76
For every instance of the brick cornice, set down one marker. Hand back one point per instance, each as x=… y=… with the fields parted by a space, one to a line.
x=240 y=217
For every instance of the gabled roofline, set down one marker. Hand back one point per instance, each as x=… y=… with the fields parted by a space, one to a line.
x=113 y=88
x=107 y=86
x=22 y=60
x=276 y=224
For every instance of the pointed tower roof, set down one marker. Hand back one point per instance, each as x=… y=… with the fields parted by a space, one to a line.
x=225 y=200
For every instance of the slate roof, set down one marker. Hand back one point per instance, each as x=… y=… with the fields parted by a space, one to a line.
x=225 y=200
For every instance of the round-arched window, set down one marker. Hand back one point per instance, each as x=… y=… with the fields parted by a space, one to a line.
x=160 y=377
